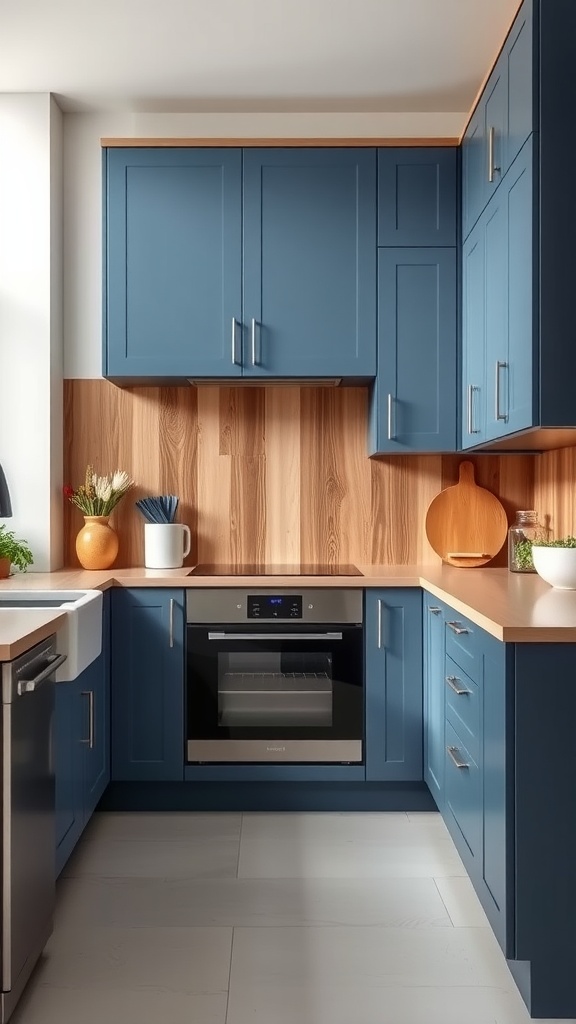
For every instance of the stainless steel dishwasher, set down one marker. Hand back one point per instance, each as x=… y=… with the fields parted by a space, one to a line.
x=28 y=846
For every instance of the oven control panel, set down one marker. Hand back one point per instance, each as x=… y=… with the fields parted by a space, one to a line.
x=274 y=606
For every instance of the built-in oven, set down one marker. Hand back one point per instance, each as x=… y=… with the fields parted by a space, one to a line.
x=275 y=675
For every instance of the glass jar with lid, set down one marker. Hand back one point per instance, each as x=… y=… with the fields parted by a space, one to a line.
x=523 y=532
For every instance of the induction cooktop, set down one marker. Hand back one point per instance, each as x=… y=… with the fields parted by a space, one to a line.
x=255 y=569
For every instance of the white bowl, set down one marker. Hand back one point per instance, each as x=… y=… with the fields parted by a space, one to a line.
x=556 y=565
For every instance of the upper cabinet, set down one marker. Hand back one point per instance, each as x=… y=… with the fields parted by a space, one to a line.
x=497 y=290
x=417 y=196
x=413 y=402
x=501 y=122
x=519 y=225
x=173 y=281
x=240 y=263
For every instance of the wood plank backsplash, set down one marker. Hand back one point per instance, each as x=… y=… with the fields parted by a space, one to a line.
x=277 y=474
x=554 y=491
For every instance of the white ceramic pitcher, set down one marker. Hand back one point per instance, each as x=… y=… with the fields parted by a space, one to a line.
x=166 y=545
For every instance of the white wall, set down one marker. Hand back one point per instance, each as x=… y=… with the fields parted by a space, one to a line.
x=83 y=189
x=31 y=319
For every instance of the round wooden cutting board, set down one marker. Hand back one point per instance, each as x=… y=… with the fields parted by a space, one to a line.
x=466 y=524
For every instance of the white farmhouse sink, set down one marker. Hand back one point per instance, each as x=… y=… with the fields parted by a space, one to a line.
x=80 y=638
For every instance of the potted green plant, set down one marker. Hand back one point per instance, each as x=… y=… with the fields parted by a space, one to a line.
x=555 y=561
x=13 y=552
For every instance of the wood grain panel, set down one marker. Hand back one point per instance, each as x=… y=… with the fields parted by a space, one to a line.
x=554 y=498
x=282 y=427
x=359 y=141
x=277 y=474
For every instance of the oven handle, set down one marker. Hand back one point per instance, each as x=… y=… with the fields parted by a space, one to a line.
x=275 y=636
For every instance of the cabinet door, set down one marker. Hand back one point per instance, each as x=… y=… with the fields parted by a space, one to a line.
x=434 y=632
x=494 y=224
x=518 y=55
x=393 y=685
x=147 y=684
x=416 y=387
x=522 y=373
x=484 y=149
x=68 y=755
x=309 y=259
x=495 y=774
x=473 y=339
x=173 y=262
x=417 y=196
x=463 y=806
x=473 y=172
x=95 y=715
x=494 y=103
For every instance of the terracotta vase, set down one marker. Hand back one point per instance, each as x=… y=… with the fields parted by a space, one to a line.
x=97 y=543
x=4 y=568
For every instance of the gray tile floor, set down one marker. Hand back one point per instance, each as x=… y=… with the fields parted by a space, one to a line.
x=269 y=919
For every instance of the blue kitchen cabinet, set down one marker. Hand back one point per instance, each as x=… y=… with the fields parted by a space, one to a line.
x=498 y=361
x=497 y=773
x=81 y=746
x=147 y=684
x=504 y=118
x=413 y=403
x=393 y=636
x=228 y=262
x=483 y=149
x=472 y=692
x=309 y=262
x=67 y=770
x=473 y=338
x=95 y=697
x=173 y=295
x=434 y=615
x=417 y=190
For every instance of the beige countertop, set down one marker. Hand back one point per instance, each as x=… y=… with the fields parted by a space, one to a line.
x=511 y=606
x=21 y=628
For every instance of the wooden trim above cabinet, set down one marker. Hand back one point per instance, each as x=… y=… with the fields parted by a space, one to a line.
x=218 y=143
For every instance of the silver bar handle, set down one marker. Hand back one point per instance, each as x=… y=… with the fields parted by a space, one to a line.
x=434 y=610
x=29 y=685
x=455 y=757
x=234 y=329
x=391 y=434
x=491 y=166
x=453 y=684
x=171 y=620
x=499 y=415
x=379 y=624
x=275 y=636
x=90 y=740
x=255 y=361
x=471 y=389
x=457 y=628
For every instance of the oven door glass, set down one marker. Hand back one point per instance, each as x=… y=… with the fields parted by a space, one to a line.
x=275 y=682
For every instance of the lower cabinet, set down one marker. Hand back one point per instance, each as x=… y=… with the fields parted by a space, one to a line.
x=468 y=752
x=393 y=631
x=434 y=615
x=147 y=682
x=81 y=747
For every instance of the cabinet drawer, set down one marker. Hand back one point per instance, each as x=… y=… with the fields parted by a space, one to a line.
x=462 y=644
x=462 y=701
x=463 y=793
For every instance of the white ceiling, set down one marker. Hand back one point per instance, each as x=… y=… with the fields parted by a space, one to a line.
x=254 y=55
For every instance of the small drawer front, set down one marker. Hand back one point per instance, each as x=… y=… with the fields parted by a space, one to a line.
x=463 y=791
x=462 y=644
x=462 y=701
